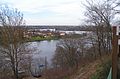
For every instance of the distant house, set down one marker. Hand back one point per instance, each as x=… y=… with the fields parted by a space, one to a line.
x=62 y=33
x=48 y=30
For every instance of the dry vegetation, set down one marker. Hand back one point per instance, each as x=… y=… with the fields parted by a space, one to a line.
x=14 y=53
x=79 y=56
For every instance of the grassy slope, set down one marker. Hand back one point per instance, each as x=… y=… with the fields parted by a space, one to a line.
x=93 y=70
x=41 y=38
x=87 y=71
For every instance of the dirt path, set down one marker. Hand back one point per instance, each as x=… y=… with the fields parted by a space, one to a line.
x=87 y=71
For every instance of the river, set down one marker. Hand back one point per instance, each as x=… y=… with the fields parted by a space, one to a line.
x=44 y=49
x=47 y=48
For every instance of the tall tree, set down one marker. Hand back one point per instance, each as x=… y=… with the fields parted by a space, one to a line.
x=101 y=14
x=12 y=44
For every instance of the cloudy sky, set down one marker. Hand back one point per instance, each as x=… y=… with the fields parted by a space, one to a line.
x=37 y=12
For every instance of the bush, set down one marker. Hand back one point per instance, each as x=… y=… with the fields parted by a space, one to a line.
x=102 y=71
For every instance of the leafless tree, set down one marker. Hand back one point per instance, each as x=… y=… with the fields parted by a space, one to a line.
x=69 y=51
x=100 y=14
x=12 y=41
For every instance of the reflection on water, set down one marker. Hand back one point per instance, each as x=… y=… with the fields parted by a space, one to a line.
x=44 y=49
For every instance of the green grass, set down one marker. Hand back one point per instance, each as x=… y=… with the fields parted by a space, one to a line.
x=102 y=70
x=38 y=38
x=65 y=77
x=95 y=76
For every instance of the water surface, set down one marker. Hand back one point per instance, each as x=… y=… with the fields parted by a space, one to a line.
x=44 y=49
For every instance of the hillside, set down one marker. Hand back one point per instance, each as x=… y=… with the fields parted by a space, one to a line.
x=87 y=71
x=98 y=69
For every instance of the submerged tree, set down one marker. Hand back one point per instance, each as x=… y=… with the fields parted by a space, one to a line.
x=12 y=41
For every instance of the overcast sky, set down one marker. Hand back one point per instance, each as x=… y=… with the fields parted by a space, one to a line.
x=38 y=12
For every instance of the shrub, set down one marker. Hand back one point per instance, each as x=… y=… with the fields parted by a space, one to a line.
x=102 y=71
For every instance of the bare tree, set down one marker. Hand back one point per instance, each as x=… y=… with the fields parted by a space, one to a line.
x=12 y=44
x=101 y=14
x=69 y=51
